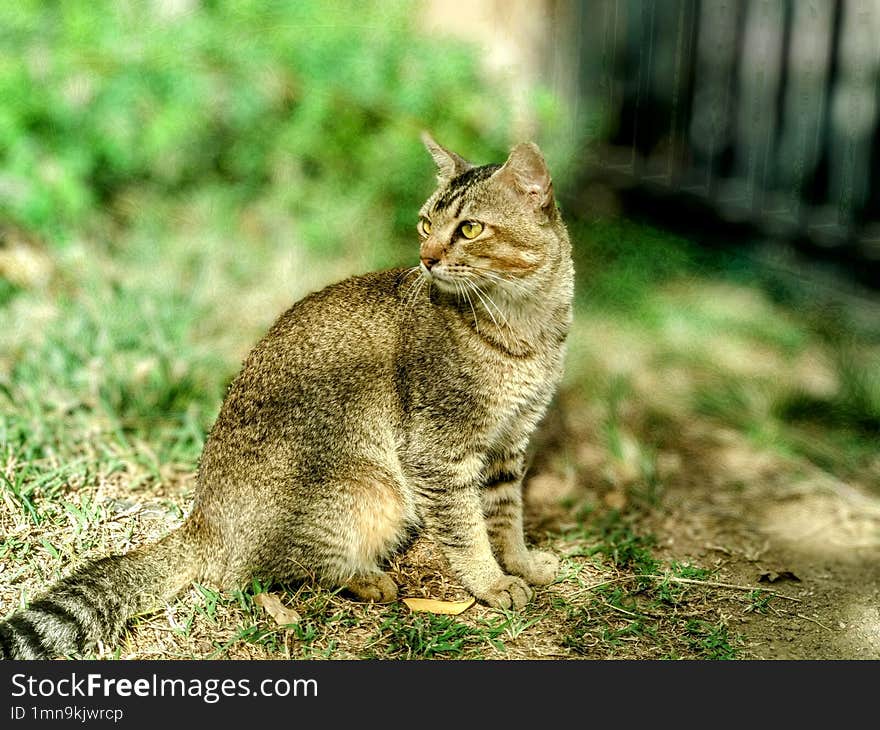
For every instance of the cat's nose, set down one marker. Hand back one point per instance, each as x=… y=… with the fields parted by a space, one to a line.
x=428 y=262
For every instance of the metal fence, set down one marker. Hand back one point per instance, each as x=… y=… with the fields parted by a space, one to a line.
x=763 y=111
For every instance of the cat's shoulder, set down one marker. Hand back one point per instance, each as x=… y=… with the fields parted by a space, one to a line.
x=369 y=286
x=358 y=299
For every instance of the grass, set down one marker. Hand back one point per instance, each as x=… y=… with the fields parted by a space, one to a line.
x=640 y=611
x=427 y=636
x=760 y=601
x=109 y=391
x=111 y=374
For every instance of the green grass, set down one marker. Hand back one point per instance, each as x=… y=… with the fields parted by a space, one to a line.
x=640 y=610
x=622 y=546
x=647 y=622
x=760 y=601
x=711 y=640
x=753 y=352
x=404 y=635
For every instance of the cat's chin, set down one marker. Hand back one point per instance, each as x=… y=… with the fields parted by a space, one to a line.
x=444 y=283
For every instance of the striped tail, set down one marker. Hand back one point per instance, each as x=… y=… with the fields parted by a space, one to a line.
x=94 y=603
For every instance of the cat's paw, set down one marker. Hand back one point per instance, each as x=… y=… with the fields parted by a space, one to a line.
x=377 y=587
x=540 y=568
x=507 y=592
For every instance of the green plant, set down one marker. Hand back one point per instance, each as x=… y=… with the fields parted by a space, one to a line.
x=295 y=101
x=617 y=541
x=710 y=639
x=404 y=635
x=759 y=601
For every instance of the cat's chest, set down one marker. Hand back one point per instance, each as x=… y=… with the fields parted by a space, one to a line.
x=512 y=384
x=466 y=396
x=516 y=392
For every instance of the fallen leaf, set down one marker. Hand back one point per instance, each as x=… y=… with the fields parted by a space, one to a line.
x=429 y=605
x=272 y=605
x=770 y=576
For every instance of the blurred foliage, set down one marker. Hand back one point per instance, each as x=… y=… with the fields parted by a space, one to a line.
x=316 y=105
x=732 y=340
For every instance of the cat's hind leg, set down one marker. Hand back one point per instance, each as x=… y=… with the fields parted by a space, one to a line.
x=369 y=523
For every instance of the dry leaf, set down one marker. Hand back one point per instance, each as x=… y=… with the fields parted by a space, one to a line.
x=769 y=576
x=429 y=605
x=272 y=605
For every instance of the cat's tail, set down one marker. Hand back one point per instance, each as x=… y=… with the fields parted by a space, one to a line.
x=93 y=603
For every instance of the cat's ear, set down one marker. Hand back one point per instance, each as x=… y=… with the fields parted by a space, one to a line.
x=449 y=164
x=526 y=172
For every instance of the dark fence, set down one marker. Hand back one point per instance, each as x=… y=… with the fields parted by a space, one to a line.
x=760 y=112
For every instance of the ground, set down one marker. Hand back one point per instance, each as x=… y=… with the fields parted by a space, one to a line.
x=801 y=547
x=781 y=561
x=708 y=474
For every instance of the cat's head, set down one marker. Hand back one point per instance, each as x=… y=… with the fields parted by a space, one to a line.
x=492 y=226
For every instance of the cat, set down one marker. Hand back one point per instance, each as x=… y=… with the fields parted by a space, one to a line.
x=383 y=405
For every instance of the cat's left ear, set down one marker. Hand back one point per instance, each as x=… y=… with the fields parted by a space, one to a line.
x=449 y=164
x=526 y=172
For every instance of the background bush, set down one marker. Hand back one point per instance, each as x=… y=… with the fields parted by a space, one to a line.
x=313 y=106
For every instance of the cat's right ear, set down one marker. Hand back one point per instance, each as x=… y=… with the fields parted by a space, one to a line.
x=449 y=164
x=526 y=172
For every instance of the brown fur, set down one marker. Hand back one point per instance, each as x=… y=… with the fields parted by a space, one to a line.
x=385 y=404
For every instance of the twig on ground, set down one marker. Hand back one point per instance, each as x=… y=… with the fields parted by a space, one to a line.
x=622 y=610
x=688 y=581
x=714 y=584
x=818 y=623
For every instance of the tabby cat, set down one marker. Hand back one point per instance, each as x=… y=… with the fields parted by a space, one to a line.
x=380 y=406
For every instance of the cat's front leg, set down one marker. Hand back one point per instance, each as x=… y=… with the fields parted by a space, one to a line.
x=453 y=515
x=503 y=511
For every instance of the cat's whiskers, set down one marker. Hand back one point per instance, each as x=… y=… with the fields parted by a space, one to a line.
x=460 y=285
x=412 y=294
x=408 y=273
x=502 y=281
x=407 y=294
x=492 y=302
x=423 y=282
x=481 y=295
x=475 y=290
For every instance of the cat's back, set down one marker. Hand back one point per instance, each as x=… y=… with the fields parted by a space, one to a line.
x=350 y=324
x=361 y=308
x=332 y=352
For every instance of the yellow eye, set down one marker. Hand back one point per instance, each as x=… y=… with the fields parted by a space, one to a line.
x=425 y=227
x=471 y=229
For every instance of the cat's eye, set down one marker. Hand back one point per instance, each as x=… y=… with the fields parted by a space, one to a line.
x=424 y=227
x=471 y=229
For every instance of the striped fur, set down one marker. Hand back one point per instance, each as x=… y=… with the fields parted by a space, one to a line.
x=93 y=604
x=386 y=404
x=456 y=192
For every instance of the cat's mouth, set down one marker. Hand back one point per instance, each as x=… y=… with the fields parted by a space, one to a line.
x=443 y=280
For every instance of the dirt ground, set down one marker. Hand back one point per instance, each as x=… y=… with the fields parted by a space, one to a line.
x=755 y=515
x=758 y=519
